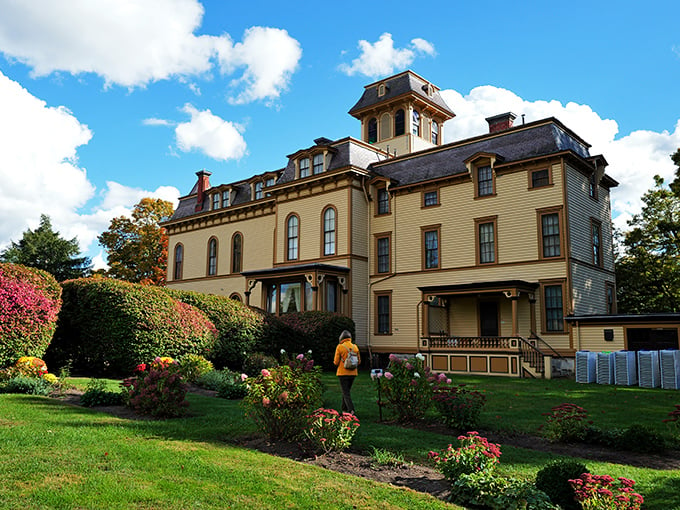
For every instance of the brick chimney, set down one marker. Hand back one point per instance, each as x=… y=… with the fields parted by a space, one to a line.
x=202 y=185
x=501 y=122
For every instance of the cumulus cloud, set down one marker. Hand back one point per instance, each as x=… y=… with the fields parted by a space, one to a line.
x=210 y=134
x=382 y=58
x=633 y=159
x=137 y=42
x=40 y=174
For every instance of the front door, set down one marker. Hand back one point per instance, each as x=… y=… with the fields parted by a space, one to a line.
x=488 y=318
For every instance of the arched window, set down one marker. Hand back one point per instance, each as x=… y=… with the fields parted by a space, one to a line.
x=385 y=126
x=435 y=132
x=399 y=123
x=236 y=297
x=236 y=253
x=179 y=258
x=415 y=123
x=329 y=231
x=292 y=237
x=212 y=257
x=372 y=130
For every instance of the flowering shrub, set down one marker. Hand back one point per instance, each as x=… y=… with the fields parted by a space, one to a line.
x=329 y=430
x=30 y=366
x=193 y=366
x=406 y=387
x=30 y=300
x=566 y=422
x=157 y=389
x=474 y=454
x=459 y=407
x=601 y=492
x=674 y=418
x=256 y=361
x=280 y=398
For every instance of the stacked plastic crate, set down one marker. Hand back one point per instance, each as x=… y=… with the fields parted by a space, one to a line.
x=669 y=361
x=625 y=369
x=605 y=368
x=648 y=369
x=585 y=366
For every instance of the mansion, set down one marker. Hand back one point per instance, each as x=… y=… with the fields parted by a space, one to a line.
x=478 y=253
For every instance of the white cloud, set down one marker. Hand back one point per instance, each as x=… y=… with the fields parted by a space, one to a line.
x=210 y=134
x=39 y=172
x=633 y=159
x=152 y=121
x=382 y=58
x=136 y=42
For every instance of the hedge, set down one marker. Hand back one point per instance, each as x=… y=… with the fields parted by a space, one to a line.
x=109 y=326
x=239 y=328
x=30 y=300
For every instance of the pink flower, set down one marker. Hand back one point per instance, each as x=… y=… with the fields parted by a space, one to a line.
x=244 y=377
x=388 y=375
x=265 y=372
x=300 y=356
x=266 y=401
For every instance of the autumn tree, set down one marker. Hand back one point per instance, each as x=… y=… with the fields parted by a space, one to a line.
x=137 y=247
x=45 y=249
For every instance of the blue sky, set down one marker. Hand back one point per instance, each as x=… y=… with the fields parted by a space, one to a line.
x=103 y=102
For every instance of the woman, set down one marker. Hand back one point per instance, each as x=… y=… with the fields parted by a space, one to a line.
x=346 y=375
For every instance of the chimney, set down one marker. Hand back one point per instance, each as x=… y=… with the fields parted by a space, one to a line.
x=202 y=185
x=501 y=122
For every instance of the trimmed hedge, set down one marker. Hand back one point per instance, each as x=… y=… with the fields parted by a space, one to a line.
x=110 y=326
x=30 y=300
x=299 y=332
x=239 y=328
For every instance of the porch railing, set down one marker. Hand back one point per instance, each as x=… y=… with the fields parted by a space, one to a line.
x=472 y=342
x=532 y=355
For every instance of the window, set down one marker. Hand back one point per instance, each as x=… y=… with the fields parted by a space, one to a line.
x=235 y=296
x=258 y=190
x=430 y=198
x=225 y=198
x=399 y=123
x=212 y=257
x=179 y=256
x=596 y=237
x=304 y=167
x=331 y=296
x=292 y=233
x=385 y=126
x=382 y=248
x=317 y=163
x=550 y=235
x=216 y=201
x=272 y=298
x=236 y=253
x=383 y=324
x=540 y=178
x=592 y=186
x=435 y=132
x=554 y=311
x=484 y=181
x=415 y=123
x=269 y=182
x=431 y=248
x=291 y=298
x=329 y=231
x=611 y=298
x=383 y=201
x=486 y=241
x=381 y=90
x=372 y=130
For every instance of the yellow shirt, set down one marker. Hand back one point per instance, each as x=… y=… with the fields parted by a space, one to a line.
x=341 y=354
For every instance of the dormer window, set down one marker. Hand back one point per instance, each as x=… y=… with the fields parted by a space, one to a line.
x=269 y=182
x=484 y=181
x=415 y=123
x=317 y=163
x=258 y=190
x=304 y=167
x=225 y=198
x=435 y=132
x=381 y=90
x=372 y=130
x=216 y=201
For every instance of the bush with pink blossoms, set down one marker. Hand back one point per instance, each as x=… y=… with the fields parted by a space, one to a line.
x=602 y=492
x=459 y=406
x=406 y=387
x=30 y=300
x=157 y=389
x=331 y=431
x=474 y=454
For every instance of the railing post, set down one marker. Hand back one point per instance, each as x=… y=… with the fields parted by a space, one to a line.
x=547 y=367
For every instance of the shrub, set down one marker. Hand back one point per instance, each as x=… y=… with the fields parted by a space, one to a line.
x=279 y=399
x=239 y=328
x=96 y=394
x=131 y=323
x=30 y=366
x=674 y=418
x=406 y=388
x=642 y=439
x=483 y=490
x=474 y=454
x=255 y=362
x=331 y=431
x=601 y=492
x=26 y=385
x=30 y=300
x=566 y=423
x=193 y=366
x=157 y=390
x=459 y=407
x=553 y=479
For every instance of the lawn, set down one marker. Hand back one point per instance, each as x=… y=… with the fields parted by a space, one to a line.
x=57 y=456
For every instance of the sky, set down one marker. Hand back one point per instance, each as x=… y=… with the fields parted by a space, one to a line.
x=104 y=102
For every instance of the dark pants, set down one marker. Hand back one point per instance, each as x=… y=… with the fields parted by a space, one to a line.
x=346 y=382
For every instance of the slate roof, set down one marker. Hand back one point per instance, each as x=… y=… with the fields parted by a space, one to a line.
x=522 y=142
x=404 y=83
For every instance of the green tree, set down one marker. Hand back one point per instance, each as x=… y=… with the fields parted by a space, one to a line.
x=137 y=247
x=648 y=267
x=675 y=185
x=45 y=249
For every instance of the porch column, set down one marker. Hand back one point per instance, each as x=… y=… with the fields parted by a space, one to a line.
x=532 y=312
x=515 y=318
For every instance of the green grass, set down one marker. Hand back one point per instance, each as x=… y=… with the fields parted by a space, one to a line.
x=54 y=455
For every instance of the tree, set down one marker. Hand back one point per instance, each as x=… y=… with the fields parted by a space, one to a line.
x=648 y=267
x=675 y=185
x=137 y=247
x=43 y=248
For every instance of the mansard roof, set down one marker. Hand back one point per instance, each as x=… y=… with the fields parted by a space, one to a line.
x=401 y=85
